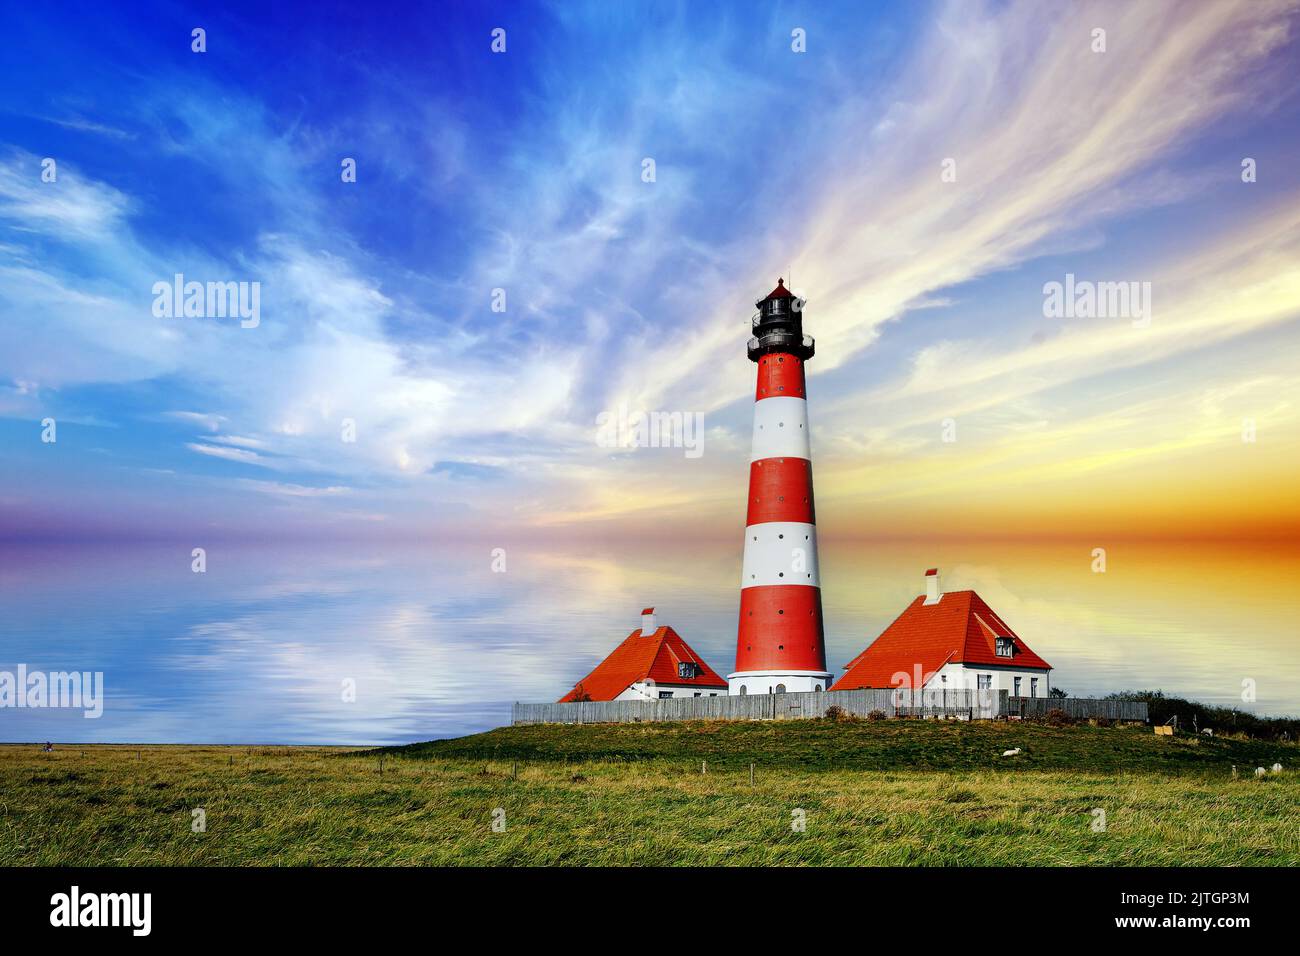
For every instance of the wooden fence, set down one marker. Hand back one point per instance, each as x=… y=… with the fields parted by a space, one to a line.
x=1078 y=708
x=961 y=704
x=969 y=704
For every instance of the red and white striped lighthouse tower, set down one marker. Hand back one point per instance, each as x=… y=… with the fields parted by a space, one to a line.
x=779 y=644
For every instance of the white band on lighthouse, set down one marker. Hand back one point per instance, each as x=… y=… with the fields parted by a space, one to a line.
x=781 y=429
x=780 y=552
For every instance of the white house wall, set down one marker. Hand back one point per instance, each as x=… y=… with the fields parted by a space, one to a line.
x=642 y=691
x=958 y=676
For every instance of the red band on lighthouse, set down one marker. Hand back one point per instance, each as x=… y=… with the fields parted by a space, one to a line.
x=775 y=632
x=779 y=641
x=780 y=375
x=780 y=489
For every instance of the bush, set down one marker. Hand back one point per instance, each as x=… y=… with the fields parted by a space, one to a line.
x=1057 y=718
x=836 y=713
x=877 y=715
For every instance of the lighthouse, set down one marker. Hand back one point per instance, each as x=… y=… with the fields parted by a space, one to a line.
x=779 y=642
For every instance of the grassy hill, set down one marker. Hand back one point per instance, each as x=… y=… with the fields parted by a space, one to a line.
x=895 y=792
x=819 y=745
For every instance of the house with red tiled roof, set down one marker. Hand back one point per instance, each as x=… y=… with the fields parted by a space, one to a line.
x=651 y=664
x=949 y=640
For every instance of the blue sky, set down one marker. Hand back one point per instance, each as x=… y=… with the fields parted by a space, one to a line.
x=523 y=171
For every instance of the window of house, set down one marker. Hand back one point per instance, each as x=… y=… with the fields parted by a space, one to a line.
x=1016 y=692
x=698 y=694
x=743 y=690
x=780 y=688
x=984 y=682
x=665 y=694
x=687 y=669
x=1005 y=647
x=1033 y=687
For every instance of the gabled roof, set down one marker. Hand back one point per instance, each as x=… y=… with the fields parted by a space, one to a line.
x=960 y=628
x=655 y=656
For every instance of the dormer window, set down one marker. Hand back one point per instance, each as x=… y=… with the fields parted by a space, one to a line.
x=688 y=670
x=1005 y=647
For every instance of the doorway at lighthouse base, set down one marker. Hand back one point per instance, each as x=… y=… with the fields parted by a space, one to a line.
x=777 y=682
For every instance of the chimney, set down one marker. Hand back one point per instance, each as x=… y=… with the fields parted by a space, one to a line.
x=932 y=591
x=647 y=621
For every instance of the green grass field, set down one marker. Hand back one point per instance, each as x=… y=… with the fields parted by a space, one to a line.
x=876 y=793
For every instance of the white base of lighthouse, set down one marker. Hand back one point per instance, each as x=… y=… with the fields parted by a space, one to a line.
x=777 y=682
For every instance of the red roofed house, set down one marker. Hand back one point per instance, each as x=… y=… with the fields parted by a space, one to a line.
x=653 y=663
x=950 y=640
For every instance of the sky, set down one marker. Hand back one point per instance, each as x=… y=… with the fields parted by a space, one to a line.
x=504 y=271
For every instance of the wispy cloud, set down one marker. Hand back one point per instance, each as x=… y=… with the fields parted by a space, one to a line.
x=290 y=490
x=83 y=125
x=1046 y=136
x=73 y=206
x=380 y=360
x=240 y=441
x=230 y=454
x=205 y=420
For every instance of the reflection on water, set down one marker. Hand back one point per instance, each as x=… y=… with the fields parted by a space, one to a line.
x=258 y=649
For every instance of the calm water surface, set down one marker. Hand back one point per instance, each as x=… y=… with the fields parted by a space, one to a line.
x=256 y=650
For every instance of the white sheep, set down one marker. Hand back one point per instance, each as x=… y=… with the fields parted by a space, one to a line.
x=1260 y=771
x=1011 y=753
x=1277 y=768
